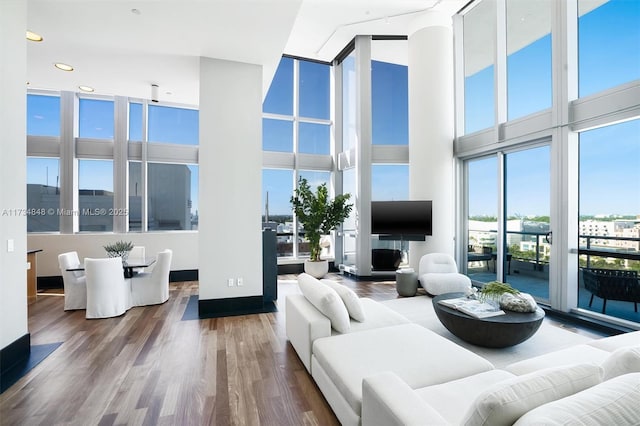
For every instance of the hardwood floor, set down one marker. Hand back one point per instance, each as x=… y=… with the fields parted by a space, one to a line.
x=149 y=367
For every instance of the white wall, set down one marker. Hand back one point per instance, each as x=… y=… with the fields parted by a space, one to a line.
x=13 y=103
x=183 y=243
x=431 y=132
x=230 y=161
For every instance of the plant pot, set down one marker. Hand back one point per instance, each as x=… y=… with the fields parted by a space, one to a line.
x=316 y=269
x=123 y=254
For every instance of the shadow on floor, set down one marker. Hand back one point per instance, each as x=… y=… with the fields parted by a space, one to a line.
x=37 y=355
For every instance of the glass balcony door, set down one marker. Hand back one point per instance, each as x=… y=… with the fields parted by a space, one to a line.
x=526 y=237
x=508 y=219
x=482 y=220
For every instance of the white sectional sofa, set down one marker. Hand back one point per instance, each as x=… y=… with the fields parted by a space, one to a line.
x=384 y=370
x=596 y=382
x=305 y=323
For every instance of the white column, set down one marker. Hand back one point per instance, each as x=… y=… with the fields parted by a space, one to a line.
x=13 y=179
x=563 y=268
x=230 y=166
x=69 y=223
x=121 y=164
x=362 y=197
x=431 y=130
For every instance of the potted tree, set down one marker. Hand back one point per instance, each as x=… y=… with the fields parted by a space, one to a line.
x=319 y=216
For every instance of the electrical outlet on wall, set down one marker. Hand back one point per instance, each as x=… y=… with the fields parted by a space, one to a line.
x=240 y=281
x=230 y=282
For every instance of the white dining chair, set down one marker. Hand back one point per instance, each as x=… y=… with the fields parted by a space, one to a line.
x=108 y=292
x=75 y=288
x=152 y=288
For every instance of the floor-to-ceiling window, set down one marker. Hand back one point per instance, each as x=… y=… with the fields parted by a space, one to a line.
x=374 y=153
x=565 y=151
x=609 y=212
x=297 y=142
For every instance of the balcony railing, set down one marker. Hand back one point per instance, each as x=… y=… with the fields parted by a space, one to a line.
x=627 y=253
x=532 y=256
x=587 y=247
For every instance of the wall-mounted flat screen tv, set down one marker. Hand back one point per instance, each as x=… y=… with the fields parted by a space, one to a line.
x=401 y=217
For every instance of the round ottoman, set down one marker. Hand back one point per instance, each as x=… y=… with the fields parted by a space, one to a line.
x=406 y=282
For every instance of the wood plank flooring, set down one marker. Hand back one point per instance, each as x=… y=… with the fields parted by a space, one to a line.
x=148 y=367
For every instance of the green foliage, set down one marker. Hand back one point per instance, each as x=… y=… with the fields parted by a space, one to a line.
x=495 y=289
x=119 y=247
x=317 y=213
x=484 y=218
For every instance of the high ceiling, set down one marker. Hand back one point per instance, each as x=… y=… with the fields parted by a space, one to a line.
x=121 y=47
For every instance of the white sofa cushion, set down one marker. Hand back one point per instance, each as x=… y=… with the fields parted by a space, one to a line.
x=305 y=323
x=613 y=402
x=615 y=342
x=453 y=399
x=389 y=401
x=349 y=298
x=326 y=300
x=622 y=361
x=578 y=354
x=417 y=355
x=377 y=316
x=507 y=401
x=439 y=283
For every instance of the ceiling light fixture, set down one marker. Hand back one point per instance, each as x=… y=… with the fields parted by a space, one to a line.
x=63 y=67
x=31 y=36
x=86 y=88
x=136 y=11
x=154 y=93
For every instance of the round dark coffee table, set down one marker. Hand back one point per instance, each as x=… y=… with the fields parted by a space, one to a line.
x=493 y=332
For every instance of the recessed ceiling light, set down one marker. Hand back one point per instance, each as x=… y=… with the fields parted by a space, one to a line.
x=33 y=36
x=63 y=67
x=86 y=88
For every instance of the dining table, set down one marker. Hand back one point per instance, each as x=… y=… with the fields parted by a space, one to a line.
x=128 y=266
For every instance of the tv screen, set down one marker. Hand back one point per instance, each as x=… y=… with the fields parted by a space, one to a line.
x=401 y=217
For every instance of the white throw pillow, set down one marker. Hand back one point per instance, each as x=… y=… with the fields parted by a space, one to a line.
x=613 y=402
x=622 y=361
x=350 y=299
x=507 y=401
x=326 y=300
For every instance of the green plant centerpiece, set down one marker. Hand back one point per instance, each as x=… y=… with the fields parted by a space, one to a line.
x=119 y=249
x=318 y=214
x=494 y=291
x=507 y=297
